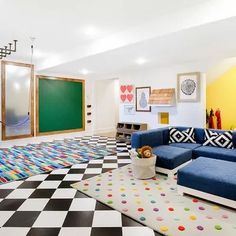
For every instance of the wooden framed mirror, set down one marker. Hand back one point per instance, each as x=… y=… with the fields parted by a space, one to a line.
x=17 y=100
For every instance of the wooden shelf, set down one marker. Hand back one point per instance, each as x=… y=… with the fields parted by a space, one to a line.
x=124 y=130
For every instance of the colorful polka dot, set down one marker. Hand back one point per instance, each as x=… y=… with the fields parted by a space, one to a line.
x=186 y=209
x=140 y=209
x=147 y=189
x=225 y=217
x=163 y=194
x=195 y=200
x=216 y=208
x=109 y=202
x=201 y=208
x=123 y=195
x=164 y=228
x=153 y=201
x=123 y=202
x=159 y=218
x=97 y=189
x=218 y=227
x=142 y=218
x=181 y=228
x=155 y=209
x=192 y=217
x=109 y=195
x=199 y=227
x=171 y=209
x=125 y=210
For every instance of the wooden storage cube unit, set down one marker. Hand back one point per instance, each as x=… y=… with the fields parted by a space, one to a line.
x=124 y=130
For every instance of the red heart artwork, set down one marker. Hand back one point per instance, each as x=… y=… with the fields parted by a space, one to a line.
x=130 y=97
x=130 y=88
x=123 y=97
x=123 y=88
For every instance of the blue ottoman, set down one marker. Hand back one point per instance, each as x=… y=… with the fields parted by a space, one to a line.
x=171 y=158
x=209 y=178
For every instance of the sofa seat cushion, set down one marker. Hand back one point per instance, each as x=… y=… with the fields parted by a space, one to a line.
x=171 y=157
x=216 y=177
x=216 y=153
x=186 y=145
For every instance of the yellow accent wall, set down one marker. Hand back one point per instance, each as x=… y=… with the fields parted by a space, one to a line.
x=221 y=93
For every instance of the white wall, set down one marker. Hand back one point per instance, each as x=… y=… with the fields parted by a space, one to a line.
x=106 y=94
x=189 y=114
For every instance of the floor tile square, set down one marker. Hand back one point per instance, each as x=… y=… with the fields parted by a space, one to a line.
x=110 y=165
x=101 y=206
x=5 y=192
x=79 y=219
x=19 y=231
x=122 y=161
x=60 y=171
x=110 y=158
x=32 y=204
x=107 y=219
x=20 y=193
x=71 y=177
x=137 y=231
x=66 y=184
x=58 y=205
x=11 y=185
x=40 y=177
x=43 y=232
x=94 y=165
x=83 y=204
x=22 y=219
x=79 y=166
x=82 y=231
x=127 y=221
x=87 y=176
x=80 y=195
x=4 y=216
x=55 y=177
x=114 y=231
x=76 y=171
x=50 y=219
x=49 y=184
x=96 y=161
x=93 y=171
x=10 y=204
x=42 y=193
x=30 y=184
x=64 y=193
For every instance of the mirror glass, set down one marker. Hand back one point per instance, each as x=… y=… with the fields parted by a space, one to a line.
x=17 y=101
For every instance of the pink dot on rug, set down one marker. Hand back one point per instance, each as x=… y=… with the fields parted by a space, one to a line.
x=125 y=210
x=209 y=217
x=199 y=227
x=225 y=216
x=181 y=228
x=140 y=209
x=171 y=209
x=159 y=218
x=136 y=195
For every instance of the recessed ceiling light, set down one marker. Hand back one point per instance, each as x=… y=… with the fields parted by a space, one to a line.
x=91 y=31
x=141 y=61
x=84 y=71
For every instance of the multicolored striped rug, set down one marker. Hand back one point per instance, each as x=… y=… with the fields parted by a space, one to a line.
x=20 y=162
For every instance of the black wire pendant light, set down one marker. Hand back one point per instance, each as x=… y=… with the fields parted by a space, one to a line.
x=7 y=50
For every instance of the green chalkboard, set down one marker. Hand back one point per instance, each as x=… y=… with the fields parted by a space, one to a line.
x=60 y=104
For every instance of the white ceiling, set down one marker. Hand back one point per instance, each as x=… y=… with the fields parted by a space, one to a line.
x=106 y=36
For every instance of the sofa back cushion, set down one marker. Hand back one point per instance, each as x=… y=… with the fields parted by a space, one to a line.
x=184 y=136
x=219 y=139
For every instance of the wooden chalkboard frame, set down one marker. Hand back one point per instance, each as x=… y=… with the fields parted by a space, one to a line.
x=38 y=77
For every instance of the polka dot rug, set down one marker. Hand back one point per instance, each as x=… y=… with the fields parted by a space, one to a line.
x=156 y=203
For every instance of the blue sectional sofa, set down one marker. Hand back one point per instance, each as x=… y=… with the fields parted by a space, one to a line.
x=173 y=155
x=159 y=139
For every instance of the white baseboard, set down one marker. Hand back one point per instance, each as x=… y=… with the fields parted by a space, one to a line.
x=210 y=197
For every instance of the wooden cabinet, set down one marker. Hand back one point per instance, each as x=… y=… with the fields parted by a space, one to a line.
x=124 y=130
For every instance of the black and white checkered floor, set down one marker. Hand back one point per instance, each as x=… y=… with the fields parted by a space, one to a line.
x=46 y=205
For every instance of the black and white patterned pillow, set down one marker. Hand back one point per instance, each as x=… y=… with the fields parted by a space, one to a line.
x=185 y=136
x=223 y=140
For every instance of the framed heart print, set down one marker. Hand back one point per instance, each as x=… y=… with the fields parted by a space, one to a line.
x=127 y=93
x=142 y=97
